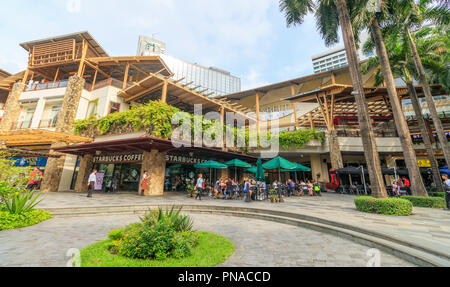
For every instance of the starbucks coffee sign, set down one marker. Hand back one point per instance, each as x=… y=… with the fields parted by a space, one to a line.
x=183 y=159
x=118 y=158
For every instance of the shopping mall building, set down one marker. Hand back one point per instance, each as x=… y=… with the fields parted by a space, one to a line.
x=71 y=77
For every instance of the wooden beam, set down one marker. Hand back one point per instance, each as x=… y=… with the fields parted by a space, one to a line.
x=125 y=78
x=164 y=91
x=83 y=57
x=258 y=127
x=25 y=76
x=56 y=75
x=294 y=105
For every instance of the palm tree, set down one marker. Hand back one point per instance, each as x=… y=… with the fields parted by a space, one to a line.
x=371 y=21
x=330 y=14
x=405 y=16
x=399 y=55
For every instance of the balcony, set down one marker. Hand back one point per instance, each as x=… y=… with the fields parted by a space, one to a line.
x=20 y=125
x=48 y=124
x=51 y=85
x=343 y=131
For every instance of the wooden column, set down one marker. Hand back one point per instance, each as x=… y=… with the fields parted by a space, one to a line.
x=257 y=113
x=125 y=77
x=164 y=91
x=295 y=107
x=311 y=121
x=83 y=57
x=56 y=75
x=25 y=76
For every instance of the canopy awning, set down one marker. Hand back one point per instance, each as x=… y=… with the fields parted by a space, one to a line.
x=39 y=137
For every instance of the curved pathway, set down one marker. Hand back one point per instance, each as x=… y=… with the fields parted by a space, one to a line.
x=257 y=243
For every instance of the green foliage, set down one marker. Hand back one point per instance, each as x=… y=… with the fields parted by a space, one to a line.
x=211 y=250
x=159 y=235
x=437 y=194
x=298 y=138
x=422 y=201
x=21 y=201
x=156 y=118
x=13 y=221
x=179 y=222
x=386 y=206
x=190 y=190
x=10 y=174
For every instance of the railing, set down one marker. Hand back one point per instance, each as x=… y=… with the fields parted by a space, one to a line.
x=20 y=125
x=106 y=83
x=46 y=86
x=48 y=124
x=352 y=132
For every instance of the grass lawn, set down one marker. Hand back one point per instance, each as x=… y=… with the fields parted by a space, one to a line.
x=212 y=249
x=15 y=221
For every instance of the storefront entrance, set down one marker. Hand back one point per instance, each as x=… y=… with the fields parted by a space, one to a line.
x=118 y=177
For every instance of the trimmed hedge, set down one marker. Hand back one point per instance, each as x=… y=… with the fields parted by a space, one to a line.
x=13 y=221
x=437 y=194
x=422 y=201
x=386 y=206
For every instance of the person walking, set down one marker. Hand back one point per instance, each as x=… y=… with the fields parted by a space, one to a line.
x=144 y=183
x=447 y=189
x=199 y=186
x=92 y=182
x=35 y=179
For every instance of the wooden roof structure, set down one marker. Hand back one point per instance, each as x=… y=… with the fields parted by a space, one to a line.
x=60 y=57
x=155 y=87
x=38 y=137
x=336 y=100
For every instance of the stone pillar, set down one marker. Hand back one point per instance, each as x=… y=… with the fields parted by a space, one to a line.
x=53 y=170
x=316 y=166
x=155 y=163
x=324 y=177
x=70 y=103
x=55 y=166
x=12 y=107
x=86 y=167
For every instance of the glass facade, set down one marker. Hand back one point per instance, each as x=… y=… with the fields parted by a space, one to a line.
x=217 y=81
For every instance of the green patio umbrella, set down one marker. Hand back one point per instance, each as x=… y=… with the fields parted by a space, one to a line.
x=211 y=165
x=253 y=169
x=279 y=163
x=298 y=168
x=260 y=171
x=237 y=163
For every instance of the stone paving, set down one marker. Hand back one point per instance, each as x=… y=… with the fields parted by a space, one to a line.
x=257 y=243
x=427 y=227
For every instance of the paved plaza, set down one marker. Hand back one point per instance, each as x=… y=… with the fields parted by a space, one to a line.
x=257 y=242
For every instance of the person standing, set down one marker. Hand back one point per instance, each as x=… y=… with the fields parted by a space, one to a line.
x=92 y=182
x=35 y=179
x=144 y=183
x=199 y=186
x=447 y=189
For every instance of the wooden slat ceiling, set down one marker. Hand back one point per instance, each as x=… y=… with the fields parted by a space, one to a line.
x=38 y=137
x=180 y=94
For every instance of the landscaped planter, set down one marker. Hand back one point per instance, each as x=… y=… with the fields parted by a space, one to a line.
x=386 y=206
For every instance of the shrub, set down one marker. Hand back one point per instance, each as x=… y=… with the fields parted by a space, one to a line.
x=437 y=194
x=159 y=235
x=422 y=201
x=22 y=201
x=12 y=221
x=386 y=206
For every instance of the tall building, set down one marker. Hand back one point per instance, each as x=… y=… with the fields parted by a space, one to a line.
x=217 y=81
x=329 y=60
x=336 y=58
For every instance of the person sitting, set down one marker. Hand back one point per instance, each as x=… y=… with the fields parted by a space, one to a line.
x=303 y=188
x=395 y=188
x=310 y=188
x=291 y=187
x=217 y=189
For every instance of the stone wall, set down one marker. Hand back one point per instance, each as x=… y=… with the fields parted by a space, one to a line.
x=86 y=167
x=53 y=170
x=12 y=107
x=70 y=105
x=155 y=163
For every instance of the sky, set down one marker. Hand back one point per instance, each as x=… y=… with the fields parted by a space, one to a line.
x=248 y=38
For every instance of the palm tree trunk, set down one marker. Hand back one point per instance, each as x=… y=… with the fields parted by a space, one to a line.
x=335 y=150
x=417 y=186
x=430 y=101
x=425 y=136
x=368 y=138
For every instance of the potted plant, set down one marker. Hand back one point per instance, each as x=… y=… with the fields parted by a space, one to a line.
x=190 y=190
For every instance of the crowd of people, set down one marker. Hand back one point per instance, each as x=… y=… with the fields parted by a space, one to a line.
x=229 y=188
x=401 y=187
